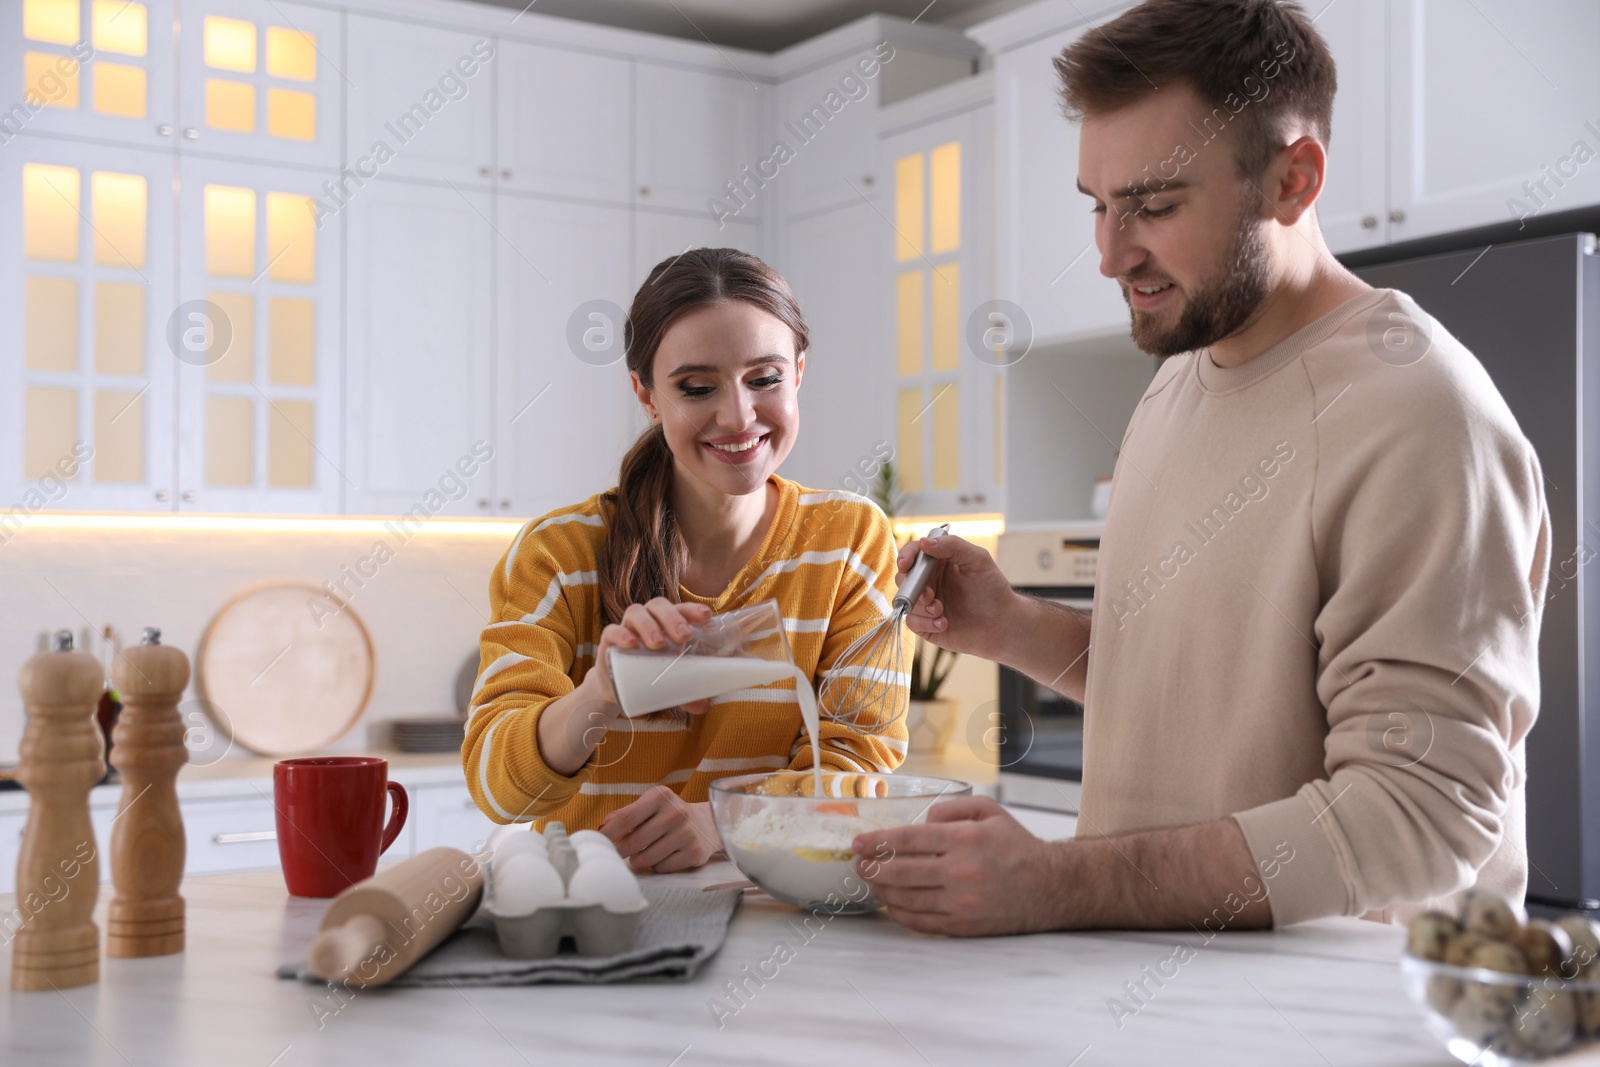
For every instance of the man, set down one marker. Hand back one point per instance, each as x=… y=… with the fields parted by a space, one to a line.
x=1312 y=659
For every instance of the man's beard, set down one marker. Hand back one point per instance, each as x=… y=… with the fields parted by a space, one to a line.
x=1219 y=306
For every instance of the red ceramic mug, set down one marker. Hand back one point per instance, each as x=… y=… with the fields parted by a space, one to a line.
x=330 y=820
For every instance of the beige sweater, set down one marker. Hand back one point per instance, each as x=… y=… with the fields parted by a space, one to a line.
x=1317 y=610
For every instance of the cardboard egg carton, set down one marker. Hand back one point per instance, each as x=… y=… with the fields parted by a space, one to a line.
x=596 y=929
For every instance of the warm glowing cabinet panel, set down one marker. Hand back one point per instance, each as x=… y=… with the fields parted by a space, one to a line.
x=259 y=370
x=88 y=285
x=941 y=320
x=260 y=80
x=96 y=69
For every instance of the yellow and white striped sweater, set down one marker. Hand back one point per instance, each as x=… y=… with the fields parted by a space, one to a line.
x=829 y=561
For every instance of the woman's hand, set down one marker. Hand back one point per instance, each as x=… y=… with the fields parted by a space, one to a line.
x=661 y=832
x=967 y=603
x=657 y=626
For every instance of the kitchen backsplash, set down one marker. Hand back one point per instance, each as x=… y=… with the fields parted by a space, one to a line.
x=422 y=608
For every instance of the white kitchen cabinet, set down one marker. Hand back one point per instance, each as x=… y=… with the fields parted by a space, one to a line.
x=938 y=289
x=447 y=815
x=420 y=350
x=827 y=118
x=1495 y=112
x=1353 y=209
x=1046 y=261
x=717 y=158
x=86 y=280
x=260 y=402
x=420 y=102
x=260 y=80
x=833 y=261
x=123 y=95
x=235 y=834
x=565 y=118
x=659 y=235
x=562 y=399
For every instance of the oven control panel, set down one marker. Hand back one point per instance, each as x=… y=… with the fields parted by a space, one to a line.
x=1061 y=555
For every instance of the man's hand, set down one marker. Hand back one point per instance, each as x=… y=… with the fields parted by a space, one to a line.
x=968 y=603
x=663 y=833
x=970 y=870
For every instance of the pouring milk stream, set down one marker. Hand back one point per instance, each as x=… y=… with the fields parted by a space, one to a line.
x=647 y=683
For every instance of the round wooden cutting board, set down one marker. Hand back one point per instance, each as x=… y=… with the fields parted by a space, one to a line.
x=289 y=667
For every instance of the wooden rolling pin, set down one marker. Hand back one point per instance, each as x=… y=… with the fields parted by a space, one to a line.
x=58 y=869
x=147 y=842
x=376 y=929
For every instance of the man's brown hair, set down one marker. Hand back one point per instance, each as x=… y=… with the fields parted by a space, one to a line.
x=1258 y=64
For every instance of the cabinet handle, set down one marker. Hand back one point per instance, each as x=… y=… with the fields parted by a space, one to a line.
x=867 y=179
x=506 y=174
x=963 y=499
x=484 y=505
x=164 y=130
x=1397 y=216
x=484 y=172
x=244 y=838
x=505 y=505
x=1369 y=222
x=189 y=496
x=162 y=494
x=978 y=499
x=190 y=133
x=644 y=190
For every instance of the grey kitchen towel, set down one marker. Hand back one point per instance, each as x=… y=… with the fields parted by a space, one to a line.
x=682 y=928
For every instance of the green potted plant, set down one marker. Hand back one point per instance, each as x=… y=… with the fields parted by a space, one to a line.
x=930 y=720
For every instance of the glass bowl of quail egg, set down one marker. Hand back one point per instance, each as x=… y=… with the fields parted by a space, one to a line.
x=545 y=887
x=1500 y=989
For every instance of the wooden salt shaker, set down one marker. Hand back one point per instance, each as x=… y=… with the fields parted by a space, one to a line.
x=146 y=916
x=58 y=870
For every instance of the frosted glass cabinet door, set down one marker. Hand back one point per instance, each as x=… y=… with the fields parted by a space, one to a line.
x=421 y=102
x=936 y=279
x=697 y=131
x=421 y=351
x=86 y=288
x=564 y=121
x=258 y=332
x=260 y=79
x=89 y=68
x=564 y=411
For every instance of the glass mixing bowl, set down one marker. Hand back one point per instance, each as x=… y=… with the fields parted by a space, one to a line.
x=796 y=846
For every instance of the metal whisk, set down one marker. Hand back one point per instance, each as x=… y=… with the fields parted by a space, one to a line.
x=859 y=688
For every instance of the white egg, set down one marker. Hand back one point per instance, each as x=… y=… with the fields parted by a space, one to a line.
x=607 y=882
x=516 y=844
x=525 y=883
x=591 y=838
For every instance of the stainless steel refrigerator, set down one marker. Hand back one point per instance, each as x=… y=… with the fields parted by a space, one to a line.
x=1530 y=311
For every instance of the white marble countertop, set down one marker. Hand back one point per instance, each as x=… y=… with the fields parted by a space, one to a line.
x=1323 y=993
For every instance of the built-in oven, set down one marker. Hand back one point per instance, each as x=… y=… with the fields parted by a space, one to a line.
x=1040 y=732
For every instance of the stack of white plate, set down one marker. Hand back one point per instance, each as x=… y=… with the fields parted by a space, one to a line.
x=441 y=733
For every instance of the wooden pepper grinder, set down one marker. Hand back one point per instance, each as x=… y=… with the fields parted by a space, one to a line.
x=147 y=843
x=58 y=870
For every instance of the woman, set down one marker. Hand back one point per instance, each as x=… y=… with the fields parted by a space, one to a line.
x=698 y=524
